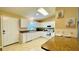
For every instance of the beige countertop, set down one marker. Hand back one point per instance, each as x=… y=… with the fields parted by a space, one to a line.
x=0 y=46
x=61 y=44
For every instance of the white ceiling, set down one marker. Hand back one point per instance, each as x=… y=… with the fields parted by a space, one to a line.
x=26 y=11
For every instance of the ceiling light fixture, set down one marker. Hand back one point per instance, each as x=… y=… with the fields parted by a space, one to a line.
x=37 y=14
x=42 y=11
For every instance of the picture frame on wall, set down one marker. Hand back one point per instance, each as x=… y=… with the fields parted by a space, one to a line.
x=71 y=23
x=60 y=14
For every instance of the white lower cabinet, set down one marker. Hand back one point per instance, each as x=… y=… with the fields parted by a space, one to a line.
x=32 y=35
x=28 y=36
x=23 y=37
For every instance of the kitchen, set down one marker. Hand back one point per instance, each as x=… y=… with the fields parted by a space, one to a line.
x=39 y=29
x=19 y=29
x=36 y=30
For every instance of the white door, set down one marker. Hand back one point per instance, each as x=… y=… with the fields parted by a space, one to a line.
x=10 y=30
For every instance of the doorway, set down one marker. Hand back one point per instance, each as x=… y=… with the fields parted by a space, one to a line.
x=10 y=28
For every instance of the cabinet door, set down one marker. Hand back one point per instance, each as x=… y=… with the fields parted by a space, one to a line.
x=29 y=36
x=32 y=35
x=24 y=37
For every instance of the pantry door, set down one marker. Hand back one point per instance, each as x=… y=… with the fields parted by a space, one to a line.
x=10 y=30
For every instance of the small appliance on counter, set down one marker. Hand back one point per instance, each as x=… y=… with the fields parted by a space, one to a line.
x=49 y=32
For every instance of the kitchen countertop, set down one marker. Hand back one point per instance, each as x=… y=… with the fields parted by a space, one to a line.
x=0 y=46
x=31 y=31
x=25 y=30
x=61 y=44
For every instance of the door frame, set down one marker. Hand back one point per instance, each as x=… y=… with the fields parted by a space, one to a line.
x=1 y=32
x=78 y=25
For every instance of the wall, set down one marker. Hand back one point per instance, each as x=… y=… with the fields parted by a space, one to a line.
x=9 y=14
x=61 y=22
x=23 y=23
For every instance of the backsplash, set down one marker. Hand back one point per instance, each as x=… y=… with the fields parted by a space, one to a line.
x=49 y=23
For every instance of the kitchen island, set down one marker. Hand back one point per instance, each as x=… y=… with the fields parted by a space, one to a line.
x=61 y=44
x=0 y=48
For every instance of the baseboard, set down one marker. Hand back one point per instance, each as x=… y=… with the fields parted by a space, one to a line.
x=10 y=44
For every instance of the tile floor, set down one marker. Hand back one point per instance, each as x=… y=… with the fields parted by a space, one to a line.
x=34 y=45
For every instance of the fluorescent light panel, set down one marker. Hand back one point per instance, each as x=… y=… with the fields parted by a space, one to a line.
x=43 y=11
